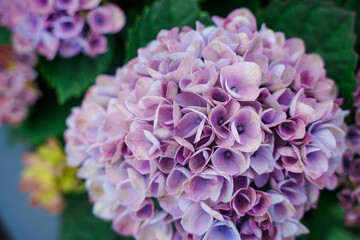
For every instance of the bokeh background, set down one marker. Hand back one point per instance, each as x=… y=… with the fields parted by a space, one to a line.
x=18 y=220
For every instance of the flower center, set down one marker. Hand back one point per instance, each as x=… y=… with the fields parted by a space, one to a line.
x=99 y=19
x=220 y=121
x=222 y=228
x=228 y=154
x=67 y=25
x=51 y=17
x=94 y=42
x=240 y=128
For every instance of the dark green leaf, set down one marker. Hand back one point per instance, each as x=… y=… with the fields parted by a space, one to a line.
x=4 y=35
x=354 y=5
x=78 y=222
x=337 y=233
x=163 y=14
x=326 y=30
x=326 y=222
x=228 y=5
x=71 y=77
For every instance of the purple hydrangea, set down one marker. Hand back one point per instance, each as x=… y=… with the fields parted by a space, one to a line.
x=17 y=88
x=192 y=131
x=65 y=26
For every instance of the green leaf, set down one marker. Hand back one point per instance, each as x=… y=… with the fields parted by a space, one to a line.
x=354 y=5
x=326 y=30
x=326 y=222
x=71 y=77
x=5 y=36
x=78 y=222
x=163 y=14
x=337 y=233
x=227 y=6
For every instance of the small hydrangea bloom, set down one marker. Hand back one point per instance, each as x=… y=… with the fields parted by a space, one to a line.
x=18 y=90
x=65 y=26
x=46 y=177
x=198 y=123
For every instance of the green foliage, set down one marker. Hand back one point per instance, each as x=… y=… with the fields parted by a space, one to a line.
x=4 y=35
x=163 y=14
x=337 y=233
x=71 y=77
x=78 y=222
x=354 y=5
x=326 y=222
x=326 y=30
x=227 y=6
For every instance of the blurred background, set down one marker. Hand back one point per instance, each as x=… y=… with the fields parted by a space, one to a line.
x=18 y=220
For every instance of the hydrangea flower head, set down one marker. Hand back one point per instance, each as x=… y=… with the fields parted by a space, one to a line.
x=65 y=26
x=17 y=88
x=47 y=177
x=192 y=131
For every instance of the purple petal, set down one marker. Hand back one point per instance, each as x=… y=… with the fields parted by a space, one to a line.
x=67 y=27
x=243 y=200
x=230 y=161
x=196 y=220
x=146 y=210
x=262 y=161
x=175 y=180
x=201 y=186
x=241 y=80
x=222 y=230
x=220 y=54
x=107 y=18
x=199 y=160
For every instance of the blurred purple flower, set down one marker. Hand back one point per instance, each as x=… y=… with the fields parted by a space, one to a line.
x=106 y=19
x=52 y=26
x=17 y=88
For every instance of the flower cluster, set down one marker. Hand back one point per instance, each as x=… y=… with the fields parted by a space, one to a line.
x=225 y=132
x=349 y=170
x=47 y=178
x=65 y=26
x=17 y=88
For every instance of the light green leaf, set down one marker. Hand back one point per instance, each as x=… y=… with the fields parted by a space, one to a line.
x=71 y=77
